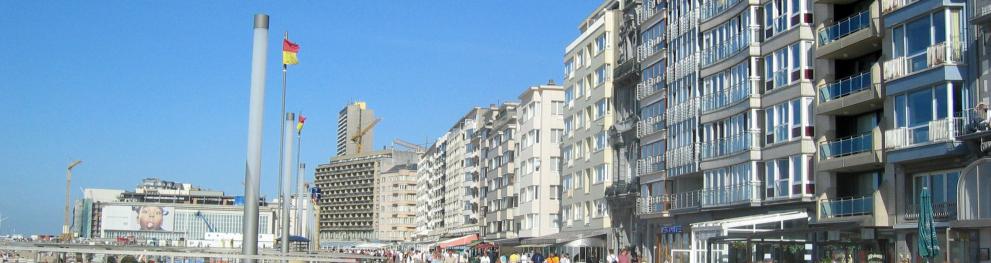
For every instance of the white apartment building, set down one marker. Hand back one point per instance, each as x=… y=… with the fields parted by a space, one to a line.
x=396 y=199
x=540 y=131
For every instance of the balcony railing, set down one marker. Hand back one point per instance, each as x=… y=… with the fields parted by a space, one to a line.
x=648 y=205
x=715 y=7
x=888 y=6
x=647 y=10
x=683 y=110
x=846 y=146
x=844 y=27
x=650 y=86
x=942 y=130
x=747 y=140
x=686 y=200
x=734 y=93
x=946 y=53
x=725 y=49
x=974 y=121
x=651 y=164
x=982 y=8
x=649 y=47
x=650 y=126
x=846 y=207
x=846 y=86
x=941 y=211
x=731 y=195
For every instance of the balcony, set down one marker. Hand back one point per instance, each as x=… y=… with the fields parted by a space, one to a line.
x=946 y=53
x=650 y=86
x=684 y=110
x=888 y=6
x=976 y=130
x=854 y=153
x=942 y=130
x=682 y=160
x=647 y=10
x=942 y=211
x=748 y=140
x=853 y=94
x=653 y=205
x=725 y=49
x=686 y=200
x=851 y=37
x=713 y=8
x=846 y=146
x=734 y=93
x=749 y=193
x=650 y=126
x=982 y=12
x=649 y=47
x=846 y=207
x=650 y=165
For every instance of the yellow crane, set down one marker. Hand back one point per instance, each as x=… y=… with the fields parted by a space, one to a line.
x=361 y=133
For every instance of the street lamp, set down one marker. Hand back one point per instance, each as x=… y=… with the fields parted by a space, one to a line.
x=68 y=178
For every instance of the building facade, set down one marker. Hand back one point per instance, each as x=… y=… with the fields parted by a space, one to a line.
x=396 y=202
x=540 y=132
x=499 y=197
x=353 y=119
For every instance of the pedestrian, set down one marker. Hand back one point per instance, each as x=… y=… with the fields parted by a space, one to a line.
x=565 y=258
x=612 y=258
x=624 y=256
x=514 y=258
x=451 y=257
x=484 y=258
x=503 y=258
x=537 y=257
x=436 y=256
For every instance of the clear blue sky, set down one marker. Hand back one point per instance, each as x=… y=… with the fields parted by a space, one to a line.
x=142 y=89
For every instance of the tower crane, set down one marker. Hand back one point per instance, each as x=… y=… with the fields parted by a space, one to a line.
x=357 y=138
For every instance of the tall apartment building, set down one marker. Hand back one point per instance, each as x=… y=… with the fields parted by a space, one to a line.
x=396 y=201
x=499 y=196
x=352 y=119
x=588 y=116
x=540 y=132
x=350 y=188
x=430 y=181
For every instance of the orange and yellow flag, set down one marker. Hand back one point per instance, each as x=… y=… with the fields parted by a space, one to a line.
x=289 y=50
x=299 y=125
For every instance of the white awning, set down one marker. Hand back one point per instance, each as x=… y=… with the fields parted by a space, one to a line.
x=730 y=223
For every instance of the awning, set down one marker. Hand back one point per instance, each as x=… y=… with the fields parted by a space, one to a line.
x=371 y=246
x=460 y=241
x=507 y=241
x=568 y=237
x=534 y=246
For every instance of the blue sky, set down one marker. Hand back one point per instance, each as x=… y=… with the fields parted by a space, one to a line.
x=141 y=89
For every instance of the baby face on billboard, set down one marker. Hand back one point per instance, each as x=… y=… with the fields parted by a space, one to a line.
x=150 y=217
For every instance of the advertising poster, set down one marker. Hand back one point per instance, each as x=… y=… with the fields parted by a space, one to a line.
x=146 y=217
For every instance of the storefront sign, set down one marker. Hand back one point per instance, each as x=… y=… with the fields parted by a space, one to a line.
x=671 y=229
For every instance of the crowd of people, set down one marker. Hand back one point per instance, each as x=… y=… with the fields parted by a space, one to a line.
x=438 y=255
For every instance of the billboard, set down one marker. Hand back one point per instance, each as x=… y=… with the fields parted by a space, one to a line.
x=137 y=217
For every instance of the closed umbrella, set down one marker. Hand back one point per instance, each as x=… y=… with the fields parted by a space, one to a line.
x=928 y=244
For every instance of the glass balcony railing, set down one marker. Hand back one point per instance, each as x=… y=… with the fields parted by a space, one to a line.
x=686 y=200
x=648 y=205
x=846 y=207
x=734 y=93
x=715 y=7
x=845 y=86
x=846 y=146
x=747 y=140
x=731 y=195
x=942 y=130
x=844 y=27
x=725 y=49
x=936 y=55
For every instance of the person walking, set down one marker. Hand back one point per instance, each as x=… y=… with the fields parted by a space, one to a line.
x=537 y=257
x=566 y=258
x=624 y=256
x=484 y=258
x=612 y=258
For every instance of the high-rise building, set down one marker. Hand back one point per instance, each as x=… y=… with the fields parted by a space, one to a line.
x=539 y=133
x=396 y=201
x=355 y=131
x=351 y=186
x=498 y=154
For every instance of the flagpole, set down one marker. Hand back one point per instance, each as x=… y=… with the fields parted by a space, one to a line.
x=282 y=142
x=299 y=182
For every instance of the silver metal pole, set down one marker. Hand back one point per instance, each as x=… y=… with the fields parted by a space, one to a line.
x=300 y=169
x=282 y=149
x=286 y=177
x=253 y=164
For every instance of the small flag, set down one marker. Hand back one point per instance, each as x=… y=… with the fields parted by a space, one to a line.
x=299 y=126
x=289 y=50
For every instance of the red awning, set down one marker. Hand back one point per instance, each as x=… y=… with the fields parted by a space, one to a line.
x=461 y=241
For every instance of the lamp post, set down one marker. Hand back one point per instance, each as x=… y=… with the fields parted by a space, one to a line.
x=68 y=178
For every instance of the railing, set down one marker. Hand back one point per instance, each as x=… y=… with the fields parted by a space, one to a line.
x=683 y=155
x=844 y=27
x=686 y=200
x=715 y=7
x=888 y=6
x=683 y=66
x=651 y=164
x=725 y=49
x=936 y=55
x=650 y=86
x=973 y=120
x=649 y=47
x=747 y=140
x=846 y=146
x=734 y=93
x=731 y=195
x=846 y=207
x=647 y=10
x=941 y=130
x=648 y=205
x=681 y=25
x=982 y=8
x=650 y=126
x=941 y=211
x=683 y=110
x=846 y=86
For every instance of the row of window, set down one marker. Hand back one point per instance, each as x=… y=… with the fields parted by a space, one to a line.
x=584 y=56
x=582 y=178
x=583 y=87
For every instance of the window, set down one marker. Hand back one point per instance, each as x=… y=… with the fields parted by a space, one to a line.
x=556 y=220
x=600 y=141
x=600 y=75
x=601 y=107
x=569 y=95
x=567 y=182
x=917 y=110
x=781 y=15
x=555 y=192
x=789 y=177
x=555 y=164
x=601 y=173
x=569 y=125
x=942 y=187
x=789 y=120
x=600 y=208
x=569 y=68
x=913 y=40
x=600 y=43
x=557 y=136
x=566 y=152
x=557 y=107
x=788 y=65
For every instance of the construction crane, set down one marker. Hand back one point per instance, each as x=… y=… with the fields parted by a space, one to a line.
x=357 y=138
x=208 y=226
x=412 y=146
